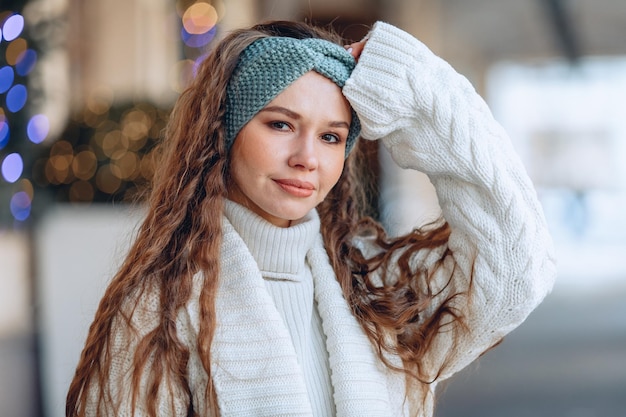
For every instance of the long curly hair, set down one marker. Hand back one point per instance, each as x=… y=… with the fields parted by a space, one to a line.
x=181 y=236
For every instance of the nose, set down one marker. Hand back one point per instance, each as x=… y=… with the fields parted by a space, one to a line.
x=304 y=153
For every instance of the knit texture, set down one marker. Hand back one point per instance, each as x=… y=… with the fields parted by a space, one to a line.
x=280 y=254
x=431 y=119
x=269 y=65
x=500 y=257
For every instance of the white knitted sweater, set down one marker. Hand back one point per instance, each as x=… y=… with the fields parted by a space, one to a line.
x=280 y=253
x=431 y=119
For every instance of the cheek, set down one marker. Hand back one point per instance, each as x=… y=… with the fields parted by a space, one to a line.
x=246 y=156
x=333 y=172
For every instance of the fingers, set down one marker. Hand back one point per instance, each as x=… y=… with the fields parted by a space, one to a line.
x=355 y=49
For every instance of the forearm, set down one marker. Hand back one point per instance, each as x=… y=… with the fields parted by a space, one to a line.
x=431 y=119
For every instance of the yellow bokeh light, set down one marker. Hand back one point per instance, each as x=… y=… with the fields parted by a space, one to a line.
x=128 y=165
x=58 y=169
x=107 y=180
x=84 y=165
x=14 y=50
x=81 y=192
x=61 y=162
x=62 y=147
x=136 y=126
x=58 y=166
x=199 y=18
x=100 y=100
x=114 y=141
x=50 y=173
x=26 y=186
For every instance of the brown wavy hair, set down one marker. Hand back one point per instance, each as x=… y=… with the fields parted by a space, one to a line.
x=181 y=236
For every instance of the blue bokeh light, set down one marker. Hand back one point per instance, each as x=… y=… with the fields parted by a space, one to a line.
x=26 y=62
x=38 y=128
x=6 y=78
x=4 y=133
x=20 y=205
x=12 y=167
x=198 y=41
x=16 y=98
x=13 y=27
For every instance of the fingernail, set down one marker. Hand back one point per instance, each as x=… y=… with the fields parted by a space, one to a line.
x=349 y=50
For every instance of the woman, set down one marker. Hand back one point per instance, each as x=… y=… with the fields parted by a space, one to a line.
x=255 y=286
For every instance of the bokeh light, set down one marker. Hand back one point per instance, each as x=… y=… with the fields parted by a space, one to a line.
x=4 y=133
x=15 y=50
x=26 y=62
x=6 y=78
x=58 y=167
x=20 y=205
x=13 y=27
x=102 y=157
x=27 y=186
x=199 y=18
x=18 y=130
x=16 y=98
x=12 y=167
x=100 y=100
x=81 y=192
x=198 y=40
x=136 y=125
x=127 y=164
x=38 y=128
x=84 y=165
x=108 y=179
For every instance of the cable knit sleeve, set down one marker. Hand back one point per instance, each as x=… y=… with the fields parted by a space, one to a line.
x=431 y=119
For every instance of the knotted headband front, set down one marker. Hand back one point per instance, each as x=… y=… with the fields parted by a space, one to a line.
x=269 y=65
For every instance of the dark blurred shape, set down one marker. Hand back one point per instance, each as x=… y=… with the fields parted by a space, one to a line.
x=564 y=28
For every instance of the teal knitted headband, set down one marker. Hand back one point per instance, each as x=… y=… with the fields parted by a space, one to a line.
x=269 y=65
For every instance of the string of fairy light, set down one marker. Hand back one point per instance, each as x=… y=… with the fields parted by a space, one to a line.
x=17 y=61
x=107 y=150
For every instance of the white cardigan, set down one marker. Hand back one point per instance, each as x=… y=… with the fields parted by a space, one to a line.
x=431 y=119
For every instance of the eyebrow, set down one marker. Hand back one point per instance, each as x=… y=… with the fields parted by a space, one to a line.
x=296 y=116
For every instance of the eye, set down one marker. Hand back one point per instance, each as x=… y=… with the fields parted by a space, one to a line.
x=331 y=138
x=279 y=125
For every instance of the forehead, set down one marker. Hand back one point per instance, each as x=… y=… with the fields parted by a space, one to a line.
x=314 y=92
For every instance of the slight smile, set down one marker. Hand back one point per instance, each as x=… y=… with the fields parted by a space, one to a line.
x=296 y=188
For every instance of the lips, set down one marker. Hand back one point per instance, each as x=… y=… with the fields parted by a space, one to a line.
x=295 y=187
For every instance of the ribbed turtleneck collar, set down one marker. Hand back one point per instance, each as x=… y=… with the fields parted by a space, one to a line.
x=280 y=252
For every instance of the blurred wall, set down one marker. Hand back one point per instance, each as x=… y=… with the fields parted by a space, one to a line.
x=15 y=315
x=125 y=48
x=79 y=250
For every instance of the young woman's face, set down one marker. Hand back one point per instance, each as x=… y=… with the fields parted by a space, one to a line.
x=288 y=157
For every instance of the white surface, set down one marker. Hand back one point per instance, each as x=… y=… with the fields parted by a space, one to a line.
x=78 y=250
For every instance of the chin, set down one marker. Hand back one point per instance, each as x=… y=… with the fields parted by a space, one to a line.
x=292 y=215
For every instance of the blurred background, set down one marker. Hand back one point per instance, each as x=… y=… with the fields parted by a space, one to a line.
x=86 y=88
